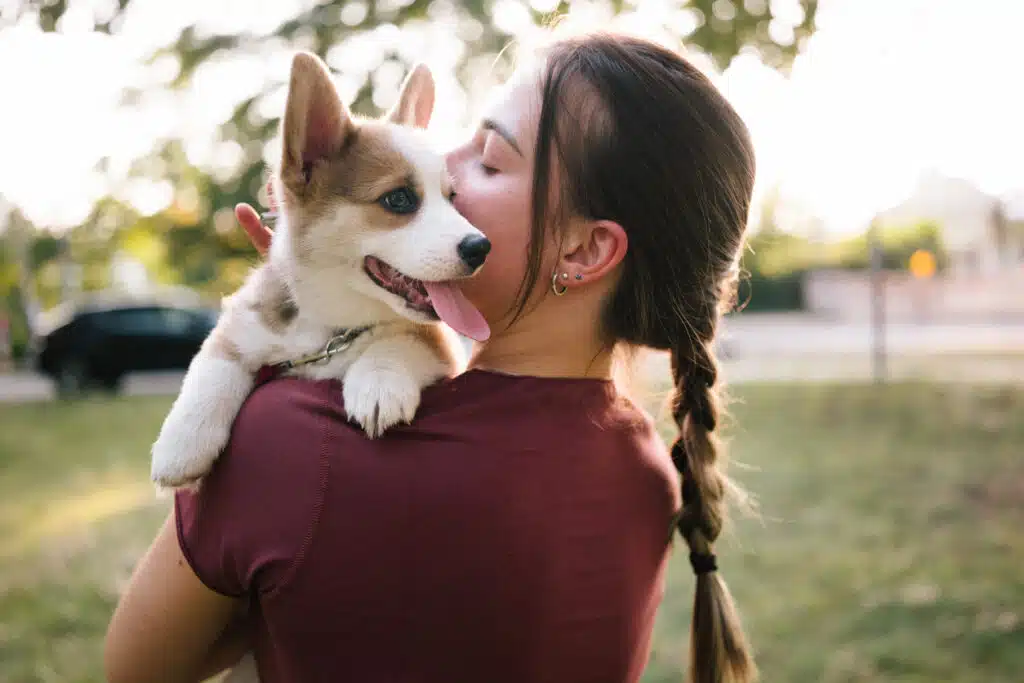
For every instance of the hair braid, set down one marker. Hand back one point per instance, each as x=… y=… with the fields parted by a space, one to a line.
x=718 y=648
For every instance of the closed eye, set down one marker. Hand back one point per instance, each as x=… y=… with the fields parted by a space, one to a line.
x=488 y=170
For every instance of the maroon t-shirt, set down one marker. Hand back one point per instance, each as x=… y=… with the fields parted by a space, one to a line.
x=517 y=531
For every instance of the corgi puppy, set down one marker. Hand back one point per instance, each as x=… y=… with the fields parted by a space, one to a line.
x=359 y=276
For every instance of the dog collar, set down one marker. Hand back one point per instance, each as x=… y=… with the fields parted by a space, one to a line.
x=341 y=340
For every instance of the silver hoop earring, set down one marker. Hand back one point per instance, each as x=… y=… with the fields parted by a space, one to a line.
x=554 y=284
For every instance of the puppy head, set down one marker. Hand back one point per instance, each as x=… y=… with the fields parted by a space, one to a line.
x=367 y=203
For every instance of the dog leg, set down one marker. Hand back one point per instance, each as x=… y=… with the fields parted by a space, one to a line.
x=199 y=424
x=382 y=387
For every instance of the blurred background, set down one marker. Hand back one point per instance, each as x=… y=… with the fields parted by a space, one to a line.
x=877 y=365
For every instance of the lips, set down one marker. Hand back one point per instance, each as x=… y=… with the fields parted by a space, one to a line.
x=394 y=281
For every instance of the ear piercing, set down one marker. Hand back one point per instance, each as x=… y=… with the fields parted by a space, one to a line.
x=559 y=288
x=555 y=284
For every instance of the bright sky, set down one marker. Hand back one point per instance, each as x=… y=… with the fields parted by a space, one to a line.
x=885 y=90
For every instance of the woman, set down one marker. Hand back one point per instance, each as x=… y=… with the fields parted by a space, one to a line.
x=519 y=529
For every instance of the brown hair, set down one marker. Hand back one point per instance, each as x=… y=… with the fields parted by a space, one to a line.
x=643 y=138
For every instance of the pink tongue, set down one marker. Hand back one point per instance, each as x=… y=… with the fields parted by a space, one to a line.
x=454 y=308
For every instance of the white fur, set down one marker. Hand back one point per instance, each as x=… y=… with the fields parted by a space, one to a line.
x=198 y=426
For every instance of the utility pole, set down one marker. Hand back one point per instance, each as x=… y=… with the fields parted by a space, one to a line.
x=877 y=289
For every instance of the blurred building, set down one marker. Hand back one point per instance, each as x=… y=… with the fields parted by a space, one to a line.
x=980 y=235
x=984 y=238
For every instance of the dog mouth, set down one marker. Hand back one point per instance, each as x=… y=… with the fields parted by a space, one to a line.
x=394 y=281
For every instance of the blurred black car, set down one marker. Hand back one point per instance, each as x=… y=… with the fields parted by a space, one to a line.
x=95 y=347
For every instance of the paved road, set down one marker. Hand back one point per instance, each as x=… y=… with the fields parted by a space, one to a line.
x=25 y=386
x=767 y=347
x=788 y=334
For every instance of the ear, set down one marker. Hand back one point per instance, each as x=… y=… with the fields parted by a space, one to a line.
x=316 y=122
x=592 y=250
x=415 y=100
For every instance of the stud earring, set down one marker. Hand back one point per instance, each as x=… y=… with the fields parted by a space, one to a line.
x=579 y=276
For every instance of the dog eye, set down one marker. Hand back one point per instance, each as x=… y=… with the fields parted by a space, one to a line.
x=401 y=200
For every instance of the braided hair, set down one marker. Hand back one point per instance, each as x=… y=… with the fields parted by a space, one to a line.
x=696 y=455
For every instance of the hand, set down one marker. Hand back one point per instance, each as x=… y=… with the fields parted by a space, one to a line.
x=258 y=233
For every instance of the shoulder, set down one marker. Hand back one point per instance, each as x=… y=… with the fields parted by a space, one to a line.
x=277 y=438
x=292 y=405
x=245 y=526
x=281 y=440
x=627 y=440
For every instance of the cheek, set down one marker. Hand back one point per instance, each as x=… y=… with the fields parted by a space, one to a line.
x=493 y=290
x=502 y=214
x=500 y=210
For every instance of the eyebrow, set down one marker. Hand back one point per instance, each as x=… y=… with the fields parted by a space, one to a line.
x=491 y=124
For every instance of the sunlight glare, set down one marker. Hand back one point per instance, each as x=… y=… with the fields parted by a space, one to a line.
x=862 y=114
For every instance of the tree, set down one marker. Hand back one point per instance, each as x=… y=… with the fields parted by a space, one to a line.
x=721 y=29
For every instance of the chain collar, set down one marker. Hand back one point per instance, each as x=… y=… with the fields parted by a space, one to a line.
x=341 y=340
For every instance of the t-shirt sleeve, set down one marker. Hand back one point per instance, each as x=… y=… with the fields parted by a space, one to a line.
x=246 y=528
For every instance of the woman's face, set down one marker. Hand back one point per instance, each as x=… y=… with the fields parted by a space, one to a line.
x=493 y=179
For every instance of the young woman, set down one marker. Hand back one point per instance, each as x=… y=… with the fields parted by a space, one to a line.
x=519 y=529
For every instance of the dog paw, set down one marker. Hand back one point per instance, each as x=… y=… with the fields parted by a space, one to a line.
x=183 y=454
x=379 y=400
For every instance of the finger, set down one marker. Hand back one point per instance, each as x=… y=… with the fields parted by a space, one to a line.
x=259 y=234
x=271 y=199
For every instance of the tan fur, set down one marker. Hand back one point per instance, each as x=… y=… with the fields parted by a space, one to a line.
x=447 y=184
x=222 y=346
x=311 y=138
x=433 y=336
x=415 y=107
x=370 y=167
x=366 y=167
x=273 y=301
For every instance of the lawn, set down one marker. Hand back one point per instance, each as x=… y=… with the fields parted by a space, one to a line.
x=889 y=544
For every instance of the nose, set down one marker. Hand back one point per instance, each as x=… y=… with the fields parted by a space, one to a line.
x=455 y=159
x=451 y=160
x=473 y=250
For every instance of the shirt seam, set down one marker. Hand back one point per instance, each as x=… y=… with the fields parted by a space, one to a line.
x=187 y=554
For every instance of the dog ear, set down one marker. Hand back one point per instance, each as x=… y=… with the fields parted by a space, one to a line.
x=316 y=122
x=415 y=100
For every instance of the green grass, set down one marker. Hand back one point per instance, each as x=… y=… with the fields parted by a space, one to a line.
x=889 y=547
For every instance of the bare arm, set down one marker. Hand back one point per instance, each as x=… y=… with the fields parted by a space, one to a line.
x=235 y=641
x=168 y=626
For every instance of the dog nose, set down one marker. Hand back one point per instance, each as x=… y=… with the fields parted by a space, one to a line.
x=473 y=250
